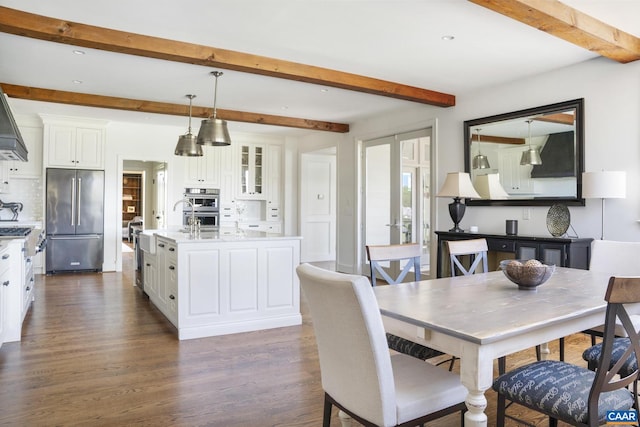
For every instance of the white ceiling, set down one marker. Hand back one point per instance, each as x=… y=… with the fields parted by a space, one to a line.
x=394 y=40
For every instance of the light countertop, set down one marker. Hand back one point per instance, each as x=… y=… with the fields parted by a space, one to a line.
x=222 y=235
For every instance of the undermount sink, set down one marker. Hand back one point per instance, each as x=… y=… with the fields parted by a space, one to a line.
x=147 y=242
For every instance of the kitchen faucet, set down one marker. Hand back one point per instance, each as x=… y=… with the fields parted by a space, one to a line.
x=192 y=223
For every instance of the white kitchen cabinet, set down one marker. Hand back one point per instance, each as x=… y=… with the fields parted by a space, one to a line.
x=18 y=293
x=32 y=168
x=274 y=174
x=237 y=286
x=227 y=284
x=11 y=169
x=150 y=275
x=166 y=259
x=252 y=169
x=71 y=146
x=203 y=171
x=4 y=283
x=514 y=177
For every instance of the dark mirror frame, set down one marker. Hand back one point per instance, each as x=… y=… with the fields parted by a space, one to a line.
x=578 y=105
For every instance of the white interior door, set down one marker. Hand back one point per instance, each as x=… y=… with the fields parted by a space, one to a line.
x=318 y=206
x=396 y=196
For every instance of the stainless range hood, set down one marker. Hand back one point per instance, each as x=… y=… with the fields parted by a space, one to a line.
x=11 y=143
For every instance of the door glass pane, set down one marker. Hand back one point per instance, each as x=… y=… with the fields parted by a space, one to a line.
x=408 y=205
x=377 y=201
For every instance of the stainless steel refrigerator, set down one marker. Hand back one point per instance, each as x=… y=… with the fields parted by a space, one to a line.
x=75 y=220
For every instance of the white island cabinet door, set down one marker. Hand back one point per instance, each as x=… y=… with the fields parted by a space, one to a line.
x=280 y=270
x=204 y=285
x=231 y=287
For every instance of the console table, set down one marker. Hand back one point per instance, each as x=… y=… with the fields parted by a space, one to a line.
x=561 y=251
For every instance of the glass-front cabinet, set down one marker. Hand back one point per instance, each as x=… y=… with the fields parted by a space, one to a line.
x=252 y=171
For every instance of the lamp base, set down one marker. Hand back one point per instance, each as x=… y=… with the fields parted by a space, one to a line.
x=456 y=210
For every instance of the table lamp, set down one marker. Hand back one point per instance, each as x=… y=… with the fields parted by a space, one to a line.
x=457 y=185
x=489 y=187
x=604 y=185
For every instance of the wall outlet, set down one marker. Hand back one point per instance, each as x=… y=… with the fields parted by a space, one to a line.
x=526 y=213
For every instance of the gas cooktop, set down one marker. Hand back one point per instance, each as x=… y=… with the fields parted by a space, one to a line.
x=14 y=231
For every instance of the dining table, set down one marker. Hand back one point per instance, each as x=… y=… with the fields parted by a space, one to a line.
x=482 y=317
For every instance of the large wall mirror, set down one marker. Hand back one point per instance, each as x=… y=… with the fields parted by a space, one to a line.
x=528 y=157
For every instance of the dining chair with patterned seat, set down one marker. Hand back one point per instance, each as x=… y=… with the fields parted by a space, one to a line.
x=359 y=374
x=574 y=394
x=410 y=254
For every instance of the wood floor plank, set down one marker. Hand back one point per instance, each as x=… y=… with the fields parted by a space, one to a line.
x=95 y=352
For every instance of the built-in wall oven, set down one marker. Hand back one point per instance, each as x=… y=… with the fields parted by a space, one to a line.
x=206 y=207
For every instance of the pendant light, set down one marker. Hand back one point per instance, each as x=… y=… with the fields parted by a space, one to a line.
x=213 y=131
x=187 y=145
x=480 y=161
x=532 y=155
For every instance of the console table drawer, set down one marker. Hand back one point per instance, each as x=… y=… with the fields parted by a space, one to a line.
x=501 y=245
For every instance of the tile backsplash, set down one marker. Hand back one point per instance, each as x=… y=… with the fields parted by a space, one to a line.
x=29 y=192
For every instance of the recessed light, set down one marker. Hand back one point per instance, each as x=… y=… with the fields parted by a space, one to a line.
x=447 y=38
x=79 y=52
x=324 y=90
x=285 y=107
x=78 y=82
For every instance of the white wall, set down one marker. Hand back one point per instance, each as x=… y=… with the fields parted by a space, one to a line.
x=611 y=93
x=612 y=142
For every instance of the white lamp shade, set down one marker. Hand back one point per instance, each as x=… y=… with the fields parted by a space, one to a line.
x=458 y=184
x=489 y=187
x=604 y=185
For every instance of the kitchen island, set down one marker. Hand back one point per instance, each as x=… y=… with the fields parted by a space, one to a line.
x=222 y=282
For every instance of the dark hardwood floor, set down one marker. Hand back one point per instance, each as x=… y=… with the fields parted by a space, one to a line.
x=95 y=352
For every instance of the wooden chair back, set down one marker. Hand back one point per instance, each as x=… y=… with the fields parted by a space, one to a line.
x=620 y=291
x=378 y=254
x=476 y=248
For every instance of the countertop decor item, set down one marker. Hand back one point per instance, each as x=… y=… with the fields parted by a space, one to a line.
x=558 y=219
x=527 y=274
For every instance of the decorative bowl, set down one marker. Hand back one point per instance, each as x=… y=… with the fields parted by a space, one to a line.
x=527 y=274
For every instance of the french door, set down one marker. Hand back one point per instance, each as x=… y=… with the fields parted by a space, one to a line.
x=397 y=197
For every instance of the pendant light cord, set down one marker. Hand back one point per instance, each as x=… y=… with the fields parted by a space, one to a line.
x=190 y=103
x=216 y=74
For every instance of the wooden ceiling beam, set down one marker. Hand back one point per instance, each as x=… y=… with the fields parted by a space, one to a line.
x=561 y=118
x=56 y=30
x=567 y=23
x=498 y=139
x=100 y=101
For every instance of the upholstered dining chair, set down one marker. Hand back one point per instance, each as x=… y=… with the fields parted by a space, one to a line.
x=574 y=394
x=476 y=250
x=359 y=374
x=410 y=254
x=615 y=259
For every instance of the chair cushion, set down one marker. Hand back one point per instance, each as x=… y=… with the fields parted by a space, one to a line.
x=402 y=345
x=559 y=388
x=422 y=388
x=620 y=345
